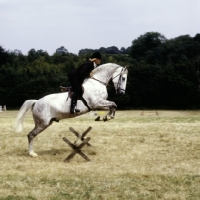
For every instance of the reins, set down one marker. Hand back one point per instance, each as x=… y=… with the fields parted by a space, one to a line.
x=106 y=84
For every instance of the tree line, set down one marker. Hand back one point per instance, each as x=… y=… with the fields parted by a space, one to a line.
x=163 y=73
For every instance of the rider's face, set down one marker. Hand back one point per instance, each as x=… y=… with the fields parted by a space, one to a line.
x=97 y=61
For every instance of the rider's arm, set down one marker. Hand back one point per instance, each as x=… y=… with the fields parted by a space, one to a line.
x=86 y=70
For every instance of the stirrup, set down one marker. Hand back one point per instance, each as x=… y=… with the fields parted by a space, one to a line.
x=74 y=111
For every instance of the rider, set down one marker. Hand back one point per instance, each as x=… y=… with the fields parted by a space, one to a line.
x=77 y=76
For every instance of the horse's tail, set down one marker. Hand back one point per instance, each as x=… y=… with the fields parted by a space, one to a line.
x=27 y=105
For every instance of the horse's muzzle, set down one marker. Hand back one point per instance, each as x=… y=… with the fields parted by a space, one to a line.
x=120 y=92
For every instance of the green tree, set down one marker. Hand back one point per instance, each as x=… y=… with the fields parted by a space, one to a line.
x=148 y=47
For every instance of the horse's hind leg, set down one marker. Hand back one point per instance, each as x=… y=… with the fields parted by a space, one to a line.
x=38 y=129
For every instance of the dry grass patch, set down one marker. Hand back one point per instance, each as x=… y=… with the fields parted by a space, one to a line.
x=133 y=157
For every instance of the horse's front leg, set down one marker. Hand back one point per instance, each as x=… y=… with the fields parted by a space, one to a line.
x=110 y=114
x=104 y=104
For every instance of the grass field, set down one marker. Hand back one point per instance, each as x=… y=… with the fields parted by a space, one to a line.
x=138 y=155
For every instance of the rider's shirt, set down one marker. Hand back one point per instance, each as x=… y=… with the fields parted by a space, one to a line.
x=83 y=71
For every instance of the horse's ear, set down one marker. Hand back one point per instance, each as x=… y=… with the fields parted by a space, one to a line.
x=126 y=67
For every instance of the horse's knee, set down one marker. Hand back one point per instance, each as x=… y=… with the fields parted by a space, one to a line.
x=114 y=106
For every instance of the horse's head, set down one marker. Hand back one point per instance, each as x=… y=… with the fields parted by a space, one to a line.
x=117 y=73
x=120 y=79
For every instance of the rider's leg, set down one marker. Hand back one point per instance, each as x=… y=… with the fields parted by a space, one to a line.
x=73 y=103
x=75 y=88
x=76 y=95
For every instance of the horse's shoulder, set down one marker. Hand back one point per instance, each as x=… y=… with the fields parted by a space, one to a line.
x=88 y=81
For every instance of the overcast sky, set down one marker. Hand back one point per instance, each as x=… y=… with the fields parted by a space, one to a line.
x=79 y=24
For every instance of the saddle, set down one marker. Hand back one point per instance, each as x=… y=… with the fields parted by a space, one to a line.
x=66 y=89
x=70 y=91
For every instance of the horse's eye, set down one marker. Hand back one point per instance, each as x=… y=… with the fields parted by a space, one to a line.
x=123 y=79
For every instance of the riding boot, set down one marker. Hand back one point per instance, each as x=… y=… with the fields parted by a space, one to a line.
x=73 y=104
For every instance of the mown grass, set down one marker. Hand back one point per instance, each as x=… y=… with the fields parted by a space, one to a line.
x=134 y=156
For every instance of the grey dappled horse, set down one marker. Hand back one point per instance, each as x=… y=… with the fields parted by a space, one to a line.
x=55 y=107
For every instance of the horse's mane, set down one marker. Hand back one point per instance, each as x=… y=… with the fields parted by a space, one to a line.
x=104 y=67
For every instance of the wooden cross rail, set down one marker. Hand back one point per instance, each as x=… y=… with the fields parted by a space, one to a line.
x=81 y=136
x=77 y=149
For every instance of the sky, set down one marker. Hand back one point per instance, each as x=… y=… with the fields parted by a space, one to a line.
x=78 y=24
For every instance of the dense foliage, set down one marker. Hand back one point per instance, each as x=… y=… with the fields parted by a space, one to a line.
x=162 y=72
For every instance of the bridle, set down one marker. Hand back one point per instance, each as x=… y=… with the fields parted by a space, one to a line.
x=119 y=80
x=120 y=77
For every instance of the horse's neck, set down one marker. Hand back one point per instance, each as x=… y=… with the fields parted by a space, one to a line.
x=103 y=76
x=104 y=72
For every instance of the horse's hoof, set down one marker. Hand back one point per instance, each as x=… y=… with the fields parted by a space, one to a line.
x=105 y=119
x=33 y=154
x=98 y=118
